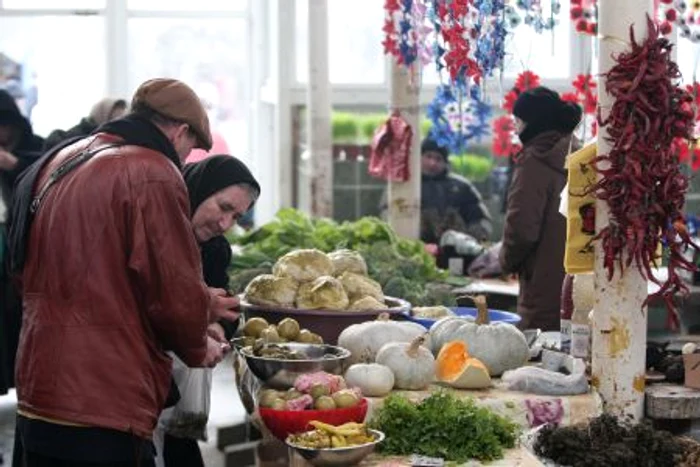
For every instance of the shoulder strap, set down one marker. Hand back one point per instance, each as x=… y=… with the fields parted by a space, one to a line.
x=65 y=168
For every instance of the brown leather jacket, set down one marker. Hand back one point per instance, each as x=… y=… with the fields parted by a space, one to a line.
x=125 y=288
x=534 y=235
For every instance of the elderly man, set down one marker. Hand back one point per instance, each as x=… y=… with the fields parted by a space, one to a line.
x=110 y=270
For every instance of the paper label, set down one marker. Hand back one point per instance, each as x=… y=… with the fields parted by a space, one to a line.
x=580 y=340
x=565 y=330
x=456 y=266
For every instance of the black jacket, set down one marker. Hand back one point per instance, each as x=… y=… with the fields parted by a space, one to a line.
x=27 y=151
x=84 y=128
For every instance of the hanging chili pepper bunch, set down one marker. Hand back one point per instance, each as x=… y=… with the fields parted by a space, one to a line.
x=682 y=13
x=584 y=14
x=504 y=144
x=458 y=115
x=641 y=179
x=585 y=94
x=542 y=15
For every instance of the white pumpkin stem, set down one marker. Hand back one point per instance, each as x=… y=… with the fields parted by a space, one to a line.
x=482 y=308
x=412 y=350
x=383 y=317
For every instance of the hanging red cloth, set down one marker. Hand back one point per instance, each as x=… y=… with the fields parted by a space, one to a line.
x=391 y=150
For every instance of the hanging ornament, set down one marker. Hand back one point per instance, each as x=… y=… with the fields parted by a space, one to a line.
x=458 y=116
x=489 y=30
x=584 y=14
x=452 y=23
x=684 y=14
x=405 y=33
x=541 y=15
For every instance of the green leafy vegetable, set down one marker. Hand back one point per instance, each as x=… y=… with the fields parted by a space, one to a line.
x=388 y=256
x=444 y=426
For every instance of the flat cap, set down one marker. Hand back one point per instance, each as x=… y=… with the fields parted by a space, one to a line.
x=176 y=100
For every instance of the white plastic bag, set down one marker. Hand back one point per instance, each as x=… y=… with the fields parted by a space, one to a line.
x=188 y=418
x=536 y=380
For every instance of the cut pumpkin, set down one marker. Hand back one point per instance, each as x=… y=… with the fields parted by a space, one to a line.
x=457 y=369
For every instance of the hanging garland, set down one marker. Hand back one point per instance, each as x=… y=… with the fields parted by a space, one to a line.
x=458 y=116
x=585 y=95
x=689 y=153
x=489 y=26
x=584 y=14
x=684 y=14
x=452 y=18
x=504 y=137
x=404 y=32
x=533 y=14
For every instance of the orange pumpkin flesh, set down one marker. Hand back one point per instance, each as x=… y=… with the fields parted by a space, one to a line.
x=456 y=368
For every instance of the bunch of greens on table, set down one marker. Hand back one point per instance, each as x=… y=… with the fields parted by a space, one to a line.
x=443 y=426
x=402 y=266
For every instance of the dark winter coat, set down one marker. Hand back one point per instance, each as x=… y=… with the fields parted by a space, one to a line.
x=450 y=202
x=535 y=232
x=27 y=151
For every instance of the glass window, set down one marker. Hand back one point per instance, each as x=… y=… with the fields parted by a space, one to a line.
x=355 y=41
x=55 y=81
x=547 y=53
x=209 y=55
x=688 y=59
x=53 y=4
x=188 y=5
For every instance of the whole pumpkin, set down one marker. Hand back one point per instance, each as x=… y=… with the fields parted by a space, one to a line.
x=373 y=379
x=499 y=346
x=365 y=339
x=412 y=364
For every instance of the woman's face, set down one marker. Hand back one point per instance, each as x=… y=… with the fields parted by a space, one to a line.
x=519 y=125
x=219 y=212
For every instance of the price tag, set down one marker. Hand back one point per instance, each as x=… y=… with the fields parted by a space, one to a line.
x=456 y=266
x=423 y=461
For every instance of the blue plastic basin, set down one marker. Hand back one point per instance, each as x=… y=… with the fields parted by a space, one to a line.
x=494 y=316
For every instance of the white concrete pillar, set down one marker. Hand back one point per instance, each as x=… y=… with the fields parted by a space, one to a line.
x=404 y=198
x=619 y=324
x=318 y=111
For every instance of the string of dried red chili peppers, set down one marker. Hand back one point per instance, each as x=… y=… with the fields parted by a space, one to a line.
x=641 y=178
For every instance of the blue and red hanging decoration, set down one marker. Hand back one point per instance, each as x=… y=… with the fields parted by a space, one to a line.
x=533 y=13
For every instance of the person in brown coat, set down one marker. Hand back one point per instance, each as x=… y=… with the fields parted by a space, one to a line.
x=534 y=236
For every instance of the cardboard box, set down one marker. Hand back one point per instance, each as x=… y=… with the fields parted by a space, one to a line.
x=691 y=364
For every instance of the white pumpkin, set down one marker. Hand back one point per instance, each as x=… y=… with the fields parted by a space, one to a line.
x=373 y=379
x=412 y=364
x=499 y=346
x=365 y=339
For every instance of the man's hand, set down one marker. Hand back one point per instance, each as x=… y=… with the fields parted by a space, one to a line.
x=215 y=353
x=7 y=160
x=222 y=305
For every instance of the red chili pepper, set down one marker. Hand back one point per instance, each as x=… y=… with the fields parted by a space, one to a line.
x=642 y=182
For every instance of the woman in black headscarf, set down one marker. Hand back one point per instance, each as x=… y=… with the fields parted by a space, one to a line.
x=534 y=236
x=221 y=190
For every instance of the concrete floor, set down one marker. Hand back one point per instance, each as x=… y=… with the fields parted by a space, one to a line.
x=226 y=409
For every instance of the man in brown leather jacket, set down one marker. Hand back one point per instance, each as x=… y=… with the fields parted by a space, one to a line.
x=111 y=280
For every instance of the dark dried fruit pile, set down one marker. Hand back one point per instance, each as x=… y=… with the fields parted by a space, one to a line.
x=641 y=178
x=605 y=442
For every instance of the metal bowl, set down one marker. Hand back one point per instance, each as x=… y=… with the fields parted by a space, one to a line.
x=338 y=456
x=281 y=374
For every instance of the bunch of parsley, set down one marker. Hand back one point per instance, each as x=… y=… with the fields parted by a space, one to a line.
x=443 y=426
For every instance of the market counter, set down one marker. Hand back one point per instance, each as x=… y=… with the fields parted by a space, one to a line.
x=518 y=457
x=527 y=410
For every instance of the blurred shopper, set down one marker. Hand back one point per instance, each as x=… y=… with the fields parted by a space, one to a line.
x=19 y=147
x=111 y=280
x=535 y=232
x=102 y=112
x=448 y=201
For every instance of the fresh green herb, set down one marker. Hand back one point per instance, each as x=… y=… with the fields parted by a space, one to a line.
x=444 y=426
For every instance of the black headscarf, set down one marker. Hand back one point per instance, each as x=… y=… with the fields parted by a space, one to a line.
x=543 y=110
x=206 y=177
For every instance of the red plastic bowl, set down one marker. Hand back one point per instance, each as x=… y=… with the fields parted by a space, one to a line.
x=283 y=423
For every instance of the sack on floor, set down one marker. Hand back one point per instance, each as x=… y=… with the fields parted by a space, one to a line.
x=188 y=418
